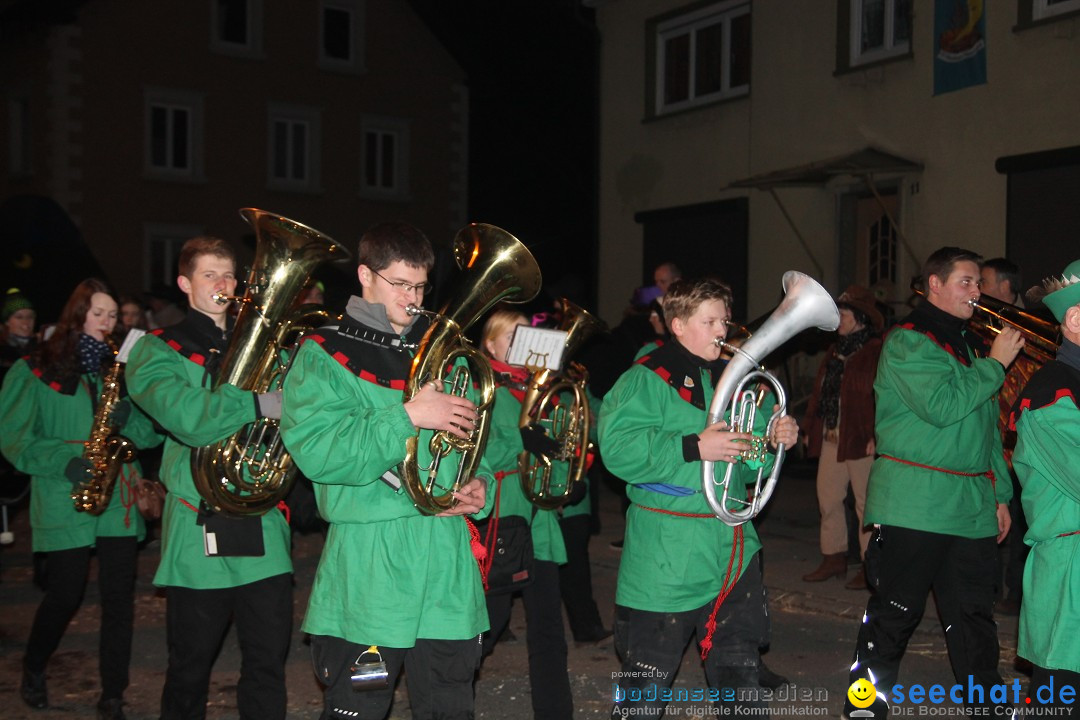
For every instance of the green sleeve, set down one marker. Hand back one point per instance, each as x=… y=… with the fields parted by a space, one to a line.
x=340 y=430
x=1051 y=437
x=139 y=429
x=162 y=384
x=23 y=401
x=926 y=379
x=638 y=436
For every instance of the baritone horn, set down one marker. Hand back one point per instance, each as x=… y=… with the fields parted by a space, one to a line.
x=250 y=472
x=566 y=423
x=805 y=305
x=496 y=267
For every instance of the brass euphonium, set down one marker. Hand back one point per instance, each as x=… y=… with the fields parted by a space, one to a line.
x=496 y=267
x=805 y=305
x=250 y=471
x=566 y=423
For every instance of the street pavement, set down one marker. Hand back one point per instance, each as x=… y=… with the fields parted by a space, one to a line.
x=813 y=632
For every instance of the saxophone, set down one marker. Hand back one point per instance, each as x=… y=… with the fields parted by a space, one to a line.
x=105 y=451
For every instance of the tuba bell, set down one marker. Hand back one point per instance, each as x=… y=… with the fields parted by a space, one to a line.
x=250 y=471
x=805 y=305
x=567 y=424
x=496 y=267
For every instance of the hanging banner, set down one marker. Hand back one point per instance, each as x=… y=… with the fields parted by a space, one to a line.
x=960 y=44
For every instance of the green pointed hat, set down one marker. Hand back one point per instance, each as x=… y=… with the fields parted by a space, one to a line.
x=1064 y=292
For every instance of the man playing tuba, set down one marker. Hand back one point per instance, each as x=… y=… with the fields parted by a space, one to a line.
x=395 y=587
x=214 y=567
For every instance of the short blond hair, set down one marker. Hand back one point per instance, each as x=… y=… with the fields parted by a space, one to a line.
x=501 y=320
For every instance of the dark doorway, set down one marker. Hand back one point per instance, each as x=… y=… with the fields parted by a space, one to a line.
x=1041 y=212
x=703 y=239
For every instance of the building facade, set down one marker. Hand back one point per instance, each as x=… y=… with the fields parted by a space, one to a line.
x=148 y=123
x=847 y=139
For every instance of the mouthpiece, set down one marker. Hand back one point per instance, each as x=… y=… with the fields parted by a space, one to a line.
x=221 y=298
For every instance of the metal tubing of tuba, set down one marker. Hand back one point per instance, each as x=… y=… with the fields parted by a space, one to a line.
x=250 y=471
x=568 y=424
x=805 y=305
x=496 y=267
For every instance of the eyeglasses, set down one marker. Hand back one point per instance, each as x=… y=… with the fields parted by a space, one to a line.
x=404 y=287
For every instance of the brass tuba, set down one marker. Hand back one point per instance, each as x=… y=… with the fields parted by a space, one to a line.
x=496 y=267
x=805 y=305
x=568 y=424
x=250 y=471
x=106 y=451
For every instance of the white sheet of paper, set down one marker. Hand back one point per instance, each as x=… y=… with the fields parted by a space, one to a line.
x=129 y=342
x=537 y=348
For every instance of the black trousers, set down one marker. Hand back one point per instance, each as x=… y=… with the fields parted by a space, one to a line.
x=575 y=578
x=651 y=646
x=545 y=639
x=440 y=678
x=903 y=565
x=196 y=623
x=65 y=584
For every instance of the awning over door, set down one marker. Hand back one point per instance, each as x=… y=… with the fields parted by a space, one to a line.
x=865 y=162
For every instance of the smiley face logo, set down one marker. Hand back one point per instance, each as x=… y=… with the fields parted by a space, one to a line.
x=862 y=693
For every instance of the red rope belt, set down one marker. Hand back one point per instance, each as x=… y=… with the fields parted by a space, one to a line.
x=730 y=579
x=986 y=473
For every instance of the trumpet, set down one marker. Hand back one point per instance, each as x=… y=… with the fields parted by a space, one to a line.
x=1041 y=338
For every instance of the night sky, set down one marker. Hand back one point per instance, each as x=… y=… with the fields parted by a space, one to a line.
x=531 y=72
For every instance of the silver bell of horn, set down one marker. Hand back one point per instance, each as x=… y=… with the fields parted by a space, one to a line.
x=805 y=305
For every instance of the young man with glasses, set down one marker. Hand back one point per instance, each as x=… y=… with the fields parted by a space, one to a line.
x=390 y=576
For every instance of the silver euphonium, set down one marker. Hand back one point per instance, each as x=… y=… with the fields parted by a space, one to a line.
x=805 y=305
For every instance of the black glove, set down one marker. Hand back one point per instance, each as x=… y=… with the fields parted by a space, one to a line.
x=77 y=470
x=120 y=413
x=536 y=441
x=577 y=494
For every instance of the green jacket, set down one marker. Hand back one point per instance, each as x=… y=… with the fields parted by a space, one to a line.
x=504 y=445
x=934 y=410
x=1047 y=446
x=389 y=574
x=670 y=563
x=42 y=430
x=176 y=391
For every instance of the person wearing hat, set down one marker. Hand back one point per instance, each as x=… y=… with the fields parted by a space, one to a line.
x=18 y=317
x=939 y=492
x=1047 y=424
x=839 y=425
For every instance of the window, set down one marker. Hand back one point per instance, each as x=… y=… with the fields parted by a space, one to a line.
x=384 y=158
x=881 y=249
x=294 y=148
x=173 y=134
x=19 y=137
x=702 y=56
x=880 y=29
x=1042 y=9
x=236 y=26
x=341 y=35
x=162 y=243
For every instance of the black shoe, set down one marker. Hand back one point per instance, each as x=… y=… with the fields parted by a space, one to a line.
x=111 y=709
x=33 y=689
x=768 y=679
